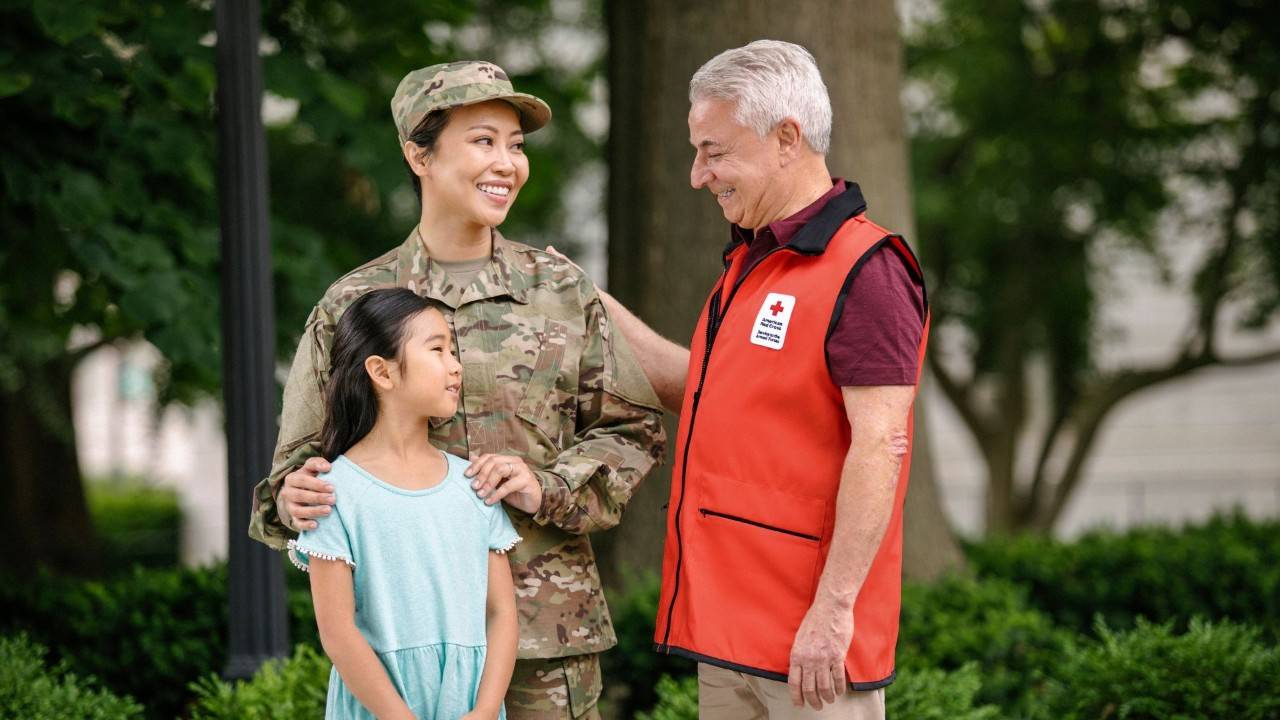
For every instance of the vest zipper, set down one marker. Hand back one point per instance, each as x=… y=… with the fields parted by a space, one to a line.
x=712 y=513
x=715 y=314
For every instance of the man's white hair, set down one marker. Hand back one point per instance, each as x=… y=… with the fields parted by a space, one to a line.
x=770 y=80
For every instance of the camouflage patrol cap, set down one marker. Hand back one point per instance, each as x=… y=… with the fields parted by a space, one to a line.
x=450 y=85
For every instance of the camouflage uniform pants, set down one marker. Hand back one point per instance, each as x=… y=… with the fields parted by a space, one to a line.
x=555 y=689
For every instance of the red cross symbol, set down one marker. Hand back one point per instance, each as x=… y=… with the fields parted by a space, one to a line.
x=776 y=308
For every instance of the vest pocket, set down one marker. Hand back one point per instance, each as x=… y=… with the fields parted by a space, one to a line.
x=772 y=528
x=754 y=555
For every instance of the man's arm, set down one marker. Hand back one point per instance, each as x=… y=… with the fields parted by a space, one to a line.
x=665 y=363
x=297 y=443
x=878 y=418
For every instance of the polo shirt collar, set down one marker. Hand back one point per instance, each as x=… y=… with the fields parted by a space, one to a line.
x=813 y=238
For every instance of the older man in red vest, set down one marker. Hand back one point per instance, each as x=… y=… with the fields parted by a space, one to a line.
x=782 y=567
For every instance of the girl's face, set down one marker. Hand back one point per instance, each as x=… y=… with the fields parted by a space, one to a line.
x=478 y=165
x=429 y=379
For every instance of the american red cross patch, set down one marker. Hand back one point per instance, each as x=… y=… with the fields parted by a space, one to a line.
x=770 y=328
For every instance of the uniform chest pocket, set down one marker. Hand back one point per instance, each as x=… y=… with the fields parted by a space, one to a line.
x=544 y=404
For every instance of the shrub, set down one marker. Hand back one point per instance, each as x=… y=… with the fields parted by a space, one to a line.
x=32 y=691
x=632 y=670
x=928 y=694
x=958 y=620
x=137 y=524
x=147 y=634
x=677 y=699
x=283 y=689
x=935 y=694
x=1224 y=569
x=1211 y=672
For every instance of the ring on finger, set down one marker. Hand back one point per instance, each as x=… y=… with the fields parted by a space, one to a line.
x=508 y=473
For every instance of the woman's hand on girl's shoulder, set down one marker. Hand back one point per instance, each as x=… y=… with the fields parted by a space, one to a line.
x=505 y=478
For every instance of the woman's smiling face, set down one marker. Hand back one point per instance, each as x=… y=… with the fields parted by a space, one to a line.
x=478 y=165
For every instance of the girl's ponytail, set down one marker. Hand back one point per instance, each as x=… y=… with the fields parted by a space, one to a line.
x=373 y=325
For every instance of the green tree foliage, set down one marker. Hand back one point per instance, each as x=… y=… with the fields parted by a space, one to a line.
x=1051 y=137
x=108 y=204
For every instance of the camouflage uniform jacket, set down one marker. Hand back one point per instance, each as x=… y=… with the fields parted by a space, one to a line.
x=545 y=378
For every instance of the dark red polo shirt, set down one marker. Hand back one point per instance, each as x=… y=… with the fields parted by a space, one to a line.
x=876 y=341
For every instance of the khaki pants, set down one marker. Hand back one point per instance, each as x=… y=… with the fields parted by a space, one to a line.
x=729 y=695
x=555 y=689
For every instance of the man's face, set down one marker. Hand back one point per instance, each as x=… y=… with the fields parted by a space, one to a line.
x=734 y=163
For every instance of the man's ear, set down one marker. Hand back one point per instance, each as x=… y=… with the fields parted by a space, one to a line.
x=416 y=156
x=381 y=372
x=790 y=140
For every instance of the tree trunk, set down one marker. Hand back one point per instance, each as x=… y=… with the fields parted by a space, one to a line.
x=929 y=547
x=44 y=519
x=665 y=239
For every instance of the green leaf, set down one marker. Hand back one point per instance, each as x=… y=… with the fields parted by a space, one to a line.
x=65 y=21
x=202 y=73
x=12 y=83
x=155 y=301
x=80 y=201
x=346 y=96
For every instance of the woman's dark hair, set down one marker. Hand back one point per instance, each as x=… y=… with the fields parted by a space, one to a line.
x=373 y=325
x=425 y=137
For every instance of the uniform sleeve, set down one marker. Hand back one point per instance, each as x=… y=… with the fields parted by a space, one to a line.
x=618 y=439
x=331 y=540
x=876 y=339
x=301 y=419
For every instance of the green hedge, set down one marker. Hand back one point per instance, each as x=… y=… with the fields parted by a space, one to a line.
x=935 y=694
x=151 y=633
x=281 y=690
x=136 y=523
x=31 y=690
x=1212 y=672
x=147 y=634
x=1223 y=569
x=959 y=621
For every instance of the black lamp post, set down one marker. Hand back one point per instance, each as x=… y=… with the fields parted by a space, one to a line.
x=256 y=583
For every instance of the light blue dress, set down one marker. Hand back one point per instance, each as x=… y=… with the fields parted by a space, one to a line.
x=420 y=565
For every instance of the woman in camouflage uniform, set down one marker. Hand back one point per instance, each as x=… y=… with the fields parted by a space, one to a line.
x=555 y=410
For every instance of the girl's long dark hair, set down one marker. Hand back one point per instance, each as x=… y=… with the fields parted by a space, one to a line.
x=373 y=325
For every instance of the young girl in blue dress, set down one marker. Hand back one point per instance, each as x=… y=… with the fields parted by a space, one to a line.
x=413 y=596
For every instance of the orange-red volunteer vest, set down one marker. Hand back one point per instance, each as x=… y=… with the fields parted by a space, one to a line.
x=762 y=440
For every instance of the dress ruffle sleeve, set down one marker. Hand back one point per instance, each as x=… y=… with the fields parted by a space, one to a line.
x=329 y=541
x=502 y=535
